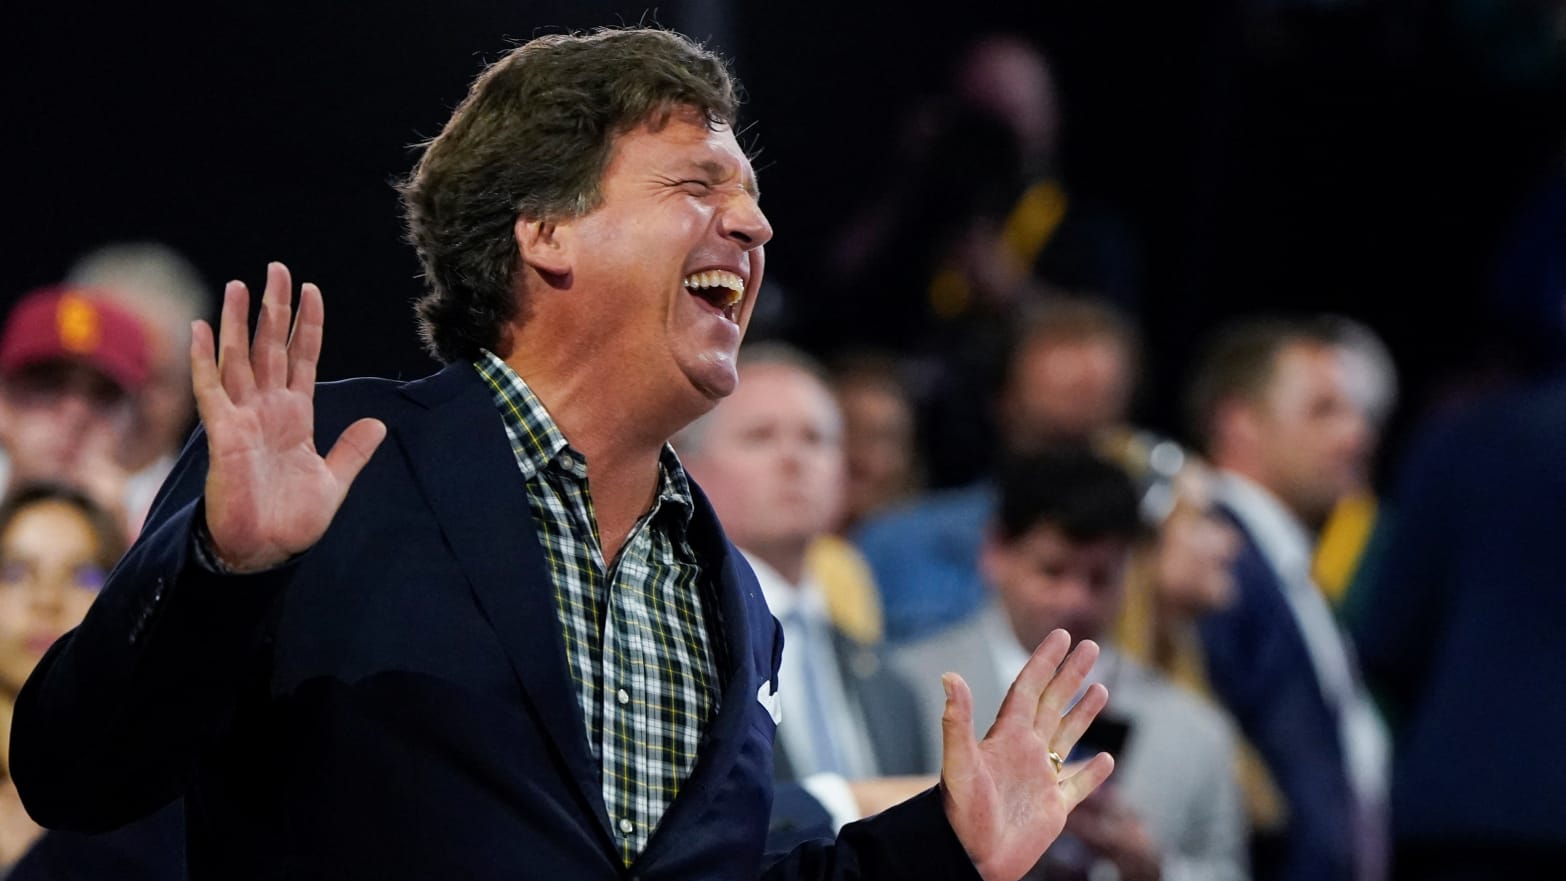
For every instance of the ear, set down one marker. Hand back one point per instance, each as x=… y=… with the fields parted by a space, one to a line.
x=1235 y=425
x=543 y=245
x=992 y=557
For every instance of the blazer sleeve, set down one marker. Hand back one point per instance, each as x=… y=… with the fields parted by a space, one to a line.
x=910 y=840
x=797 y=816
x=111 y=721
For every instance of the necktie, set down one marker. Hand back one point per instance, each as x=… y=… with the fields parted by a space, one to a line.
x=807 y=641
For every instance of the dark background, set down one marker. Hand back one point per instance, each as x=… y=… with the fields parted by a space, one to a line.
x=1366 y=158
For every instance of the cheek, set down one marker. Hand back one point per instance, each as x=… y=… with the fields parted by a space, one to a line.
x=14 y=616
x=1039 y=594
x=77 y=603
x=1308 y=448
x=826 y=468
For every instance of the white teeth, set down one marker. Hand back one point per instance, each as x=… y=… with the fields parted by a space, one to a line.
x=732 y=285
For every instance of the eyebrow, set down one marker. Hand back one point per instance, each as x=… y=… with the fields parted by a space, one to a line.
x=719 y=171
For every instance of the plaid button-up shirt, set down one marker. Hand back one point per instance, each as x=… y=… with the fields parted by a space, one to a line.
x=636 y=636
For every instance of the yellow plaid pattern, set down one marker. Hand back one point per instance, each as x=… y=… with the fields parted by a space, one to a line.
x=636 y=631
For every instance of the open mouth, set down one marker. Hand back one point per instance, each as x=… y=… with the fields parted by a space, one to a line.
x=722 y=289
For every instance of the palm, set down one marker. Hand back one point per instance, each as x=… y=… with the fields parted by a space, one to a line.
x=270 y=494
x=1003 y=797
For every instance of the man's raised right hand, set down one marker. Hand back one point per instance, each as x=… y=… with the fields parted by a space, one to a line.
x=269 y=493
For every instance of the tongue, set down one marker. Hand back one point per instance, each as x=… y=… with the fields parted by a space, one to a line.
x=717 y=297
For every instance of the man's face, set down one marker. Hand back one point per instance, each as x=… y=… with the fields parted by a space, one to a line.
x=669 y=264
x=1065 y=391
x=1313 y=438
x=878 y=445
x=1045 y=580
x=164 y=406
x=771 y=459
x=60 y=420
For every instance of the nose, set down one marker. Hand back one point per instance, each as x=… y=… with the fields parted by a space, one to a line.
x=47 y=597
x=743 y=221
x=1076 y=592
x=73 y=412
x=791 y=457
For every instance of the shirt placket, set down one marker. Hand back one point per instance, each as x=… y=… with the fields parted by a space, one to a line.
x=629 y=701
x=608 y=613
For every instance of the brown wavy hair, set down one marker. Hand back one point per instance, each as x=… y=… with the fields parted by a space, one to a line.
x=532 y=139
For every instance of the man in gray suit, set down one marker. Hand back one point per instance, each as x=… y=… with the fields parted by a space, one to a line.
x=1056 y=556
x=770 y=458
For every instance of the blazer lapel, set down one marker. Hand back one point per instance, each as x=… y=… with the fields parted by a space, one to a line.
x=469 y=474
x=720 y=748
x=873 y=698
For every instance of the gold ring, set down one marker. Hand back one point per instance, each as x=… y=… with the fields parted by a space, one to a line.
x=1056 y=760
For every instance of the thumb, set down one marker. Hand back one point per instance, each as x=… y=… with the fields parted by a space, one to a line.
x=354 y=448
x=959 y=749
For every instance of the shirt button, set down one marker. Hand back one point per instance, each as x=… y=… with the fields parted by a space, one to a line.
x=622 y=696
x=627 y=827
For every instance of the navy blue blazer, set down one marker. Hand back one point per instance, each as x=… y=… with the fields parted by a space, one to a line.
x=395 y=702
x=151 y=849
x=1259 y=667
x=1462 y=625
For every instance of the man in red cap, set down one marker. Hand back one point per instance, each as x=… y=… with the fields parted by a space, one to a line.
x=70 y=365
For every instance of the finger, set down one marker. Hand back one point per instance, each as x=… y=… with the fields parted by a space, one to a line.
x=234 y=342
x=211 y=399
x=269 y=352
x=1021 y=705
x=1075 y=723
x=1082 y=784
x=1065 y=684
x=353 y=449
x=304 y=346
x=959 y=749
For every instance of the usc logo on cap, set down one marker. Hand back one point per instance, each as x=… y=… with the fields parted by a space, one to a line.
x=76 y=321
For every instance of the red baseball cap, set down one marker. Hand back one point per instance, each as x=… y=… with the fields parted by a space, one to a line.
x=73 y=324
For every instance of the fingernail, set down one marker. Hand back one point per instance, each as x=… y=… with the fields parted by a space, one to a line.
x=946 y=684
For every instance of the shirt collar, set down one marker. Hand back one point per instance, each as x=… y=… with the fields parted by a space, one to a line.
x=1279 y=535
x=674 y=487
x=783 y=598
x=1006 y=652
x=539 y=444
x=535 y=438
x=1009 y=656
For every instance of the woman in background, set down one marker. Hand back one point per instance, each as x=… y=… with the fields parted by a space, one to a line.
x=56 y=548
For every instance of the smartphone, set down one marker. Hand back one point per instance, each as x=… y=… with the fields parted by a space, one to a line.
x=1107 y=734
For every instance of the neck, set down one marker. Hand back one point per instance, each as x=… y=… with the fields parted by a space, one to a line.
x=602 y=404
x=141 y=454
x=1248 y=467
x=621 y=450
x=786 y=557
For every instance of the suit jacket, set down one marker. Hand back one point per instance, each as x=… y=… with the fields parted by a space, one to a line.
x=1259 y=667
x=887 y=705
x=891 y=716
x=152 y=849
x=395 y=702
x=1463 y=616
x=925 y=558
x=1176 y=768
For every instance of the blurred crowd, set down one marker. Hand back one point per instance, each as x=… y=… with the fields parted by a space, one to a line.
x=1324 y=662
